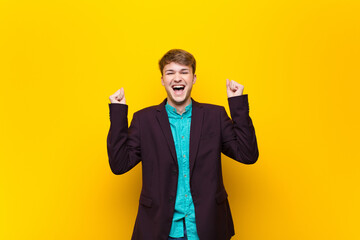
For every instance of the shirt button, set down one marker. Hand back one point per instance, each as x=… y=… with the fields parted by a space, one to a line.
x=186 y=215
x=184 y=175
x=182 y=137
x=184 y=155
x=185 y=195
x=181 y=117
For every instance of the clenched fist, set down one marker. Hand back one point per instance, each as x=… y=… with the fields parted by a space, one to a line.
x=118 y=97
x=233 y=88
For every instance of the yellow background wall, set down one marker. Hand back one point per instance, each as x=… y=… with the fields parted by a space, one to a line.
x=61 y=60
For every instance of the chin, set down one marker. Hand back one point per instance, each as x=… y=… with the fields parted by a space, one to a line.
x=179 y=100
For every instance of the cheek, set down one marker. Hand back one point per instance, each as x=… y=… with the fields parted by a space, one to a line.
x=190 y=82
x=165 y=80
x=164 y=83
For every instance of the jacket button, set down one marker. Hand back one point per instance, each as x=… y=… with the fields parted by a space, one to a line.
x=170 y=199
x=174 y=172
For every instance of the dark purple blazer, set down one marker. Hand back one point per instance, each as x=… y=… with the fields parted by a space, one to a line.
x=149 y=140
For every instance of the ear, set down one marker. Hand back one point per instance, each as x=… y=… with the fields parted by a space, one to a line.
x=162 y=81
x=194 y=79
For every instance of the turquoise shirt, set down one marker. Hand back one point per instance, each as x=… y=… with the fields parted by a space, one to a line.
x=184 y=206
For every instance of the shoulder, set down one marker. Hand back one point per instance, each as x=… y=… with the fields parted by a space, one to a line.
x=210 y=107
x=146 y=111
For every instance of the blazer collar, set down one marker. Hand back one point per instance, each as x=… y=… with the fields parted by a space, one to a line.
x=164 y=124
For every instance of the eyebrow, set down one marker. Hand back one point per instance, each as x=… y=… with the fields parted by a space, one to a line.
x=183 y=69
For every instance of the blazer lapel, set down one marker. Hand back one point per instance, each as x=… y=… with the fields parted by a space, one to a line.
x=164 y=123
x=195 y=132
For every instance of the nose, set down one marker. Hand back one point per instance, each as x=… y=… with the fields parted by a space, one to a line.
x=177 y=77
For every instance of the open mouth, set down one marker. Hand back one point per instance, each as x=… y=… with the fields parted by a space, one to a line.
x=178 y=89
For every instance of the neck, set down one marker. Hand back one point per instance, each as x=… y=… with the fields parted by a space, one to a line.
x=180 y=107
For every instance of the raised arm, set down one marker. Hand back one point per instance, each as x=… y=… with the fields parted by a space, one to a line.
x=238 y=134
x=123 y=143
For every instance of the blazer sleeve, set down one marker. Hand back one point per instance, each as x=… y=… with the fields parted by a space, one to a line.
x=238 y=135
x=123 y=143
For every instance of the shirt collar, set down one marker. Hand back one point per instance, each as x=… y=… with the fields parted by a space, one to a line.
x=171 y=110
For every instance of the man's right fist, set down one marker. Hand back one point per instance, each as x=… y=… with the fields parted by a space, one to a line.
x=118 y=97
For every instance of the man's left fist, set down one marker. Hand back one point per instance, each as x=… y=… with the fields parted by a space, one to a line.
x=233 y=88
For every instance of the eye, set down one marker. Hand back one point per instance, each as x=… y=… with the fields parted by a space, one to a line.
x=169 y=73
x=184 y=72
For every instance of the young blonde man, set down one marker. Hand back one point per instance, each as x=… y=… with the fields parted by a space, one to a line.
x=179 y=143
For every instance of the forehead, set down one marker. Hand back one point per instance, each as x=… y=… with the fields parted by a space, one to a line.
x=173 y=66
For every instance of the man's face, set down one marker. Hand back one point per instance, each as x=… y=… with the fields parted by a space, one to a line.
x=178 y=81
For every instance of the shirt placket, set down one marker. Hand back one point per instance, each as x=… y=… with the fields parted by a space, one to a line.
x=184 y=163
x=183 y=140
